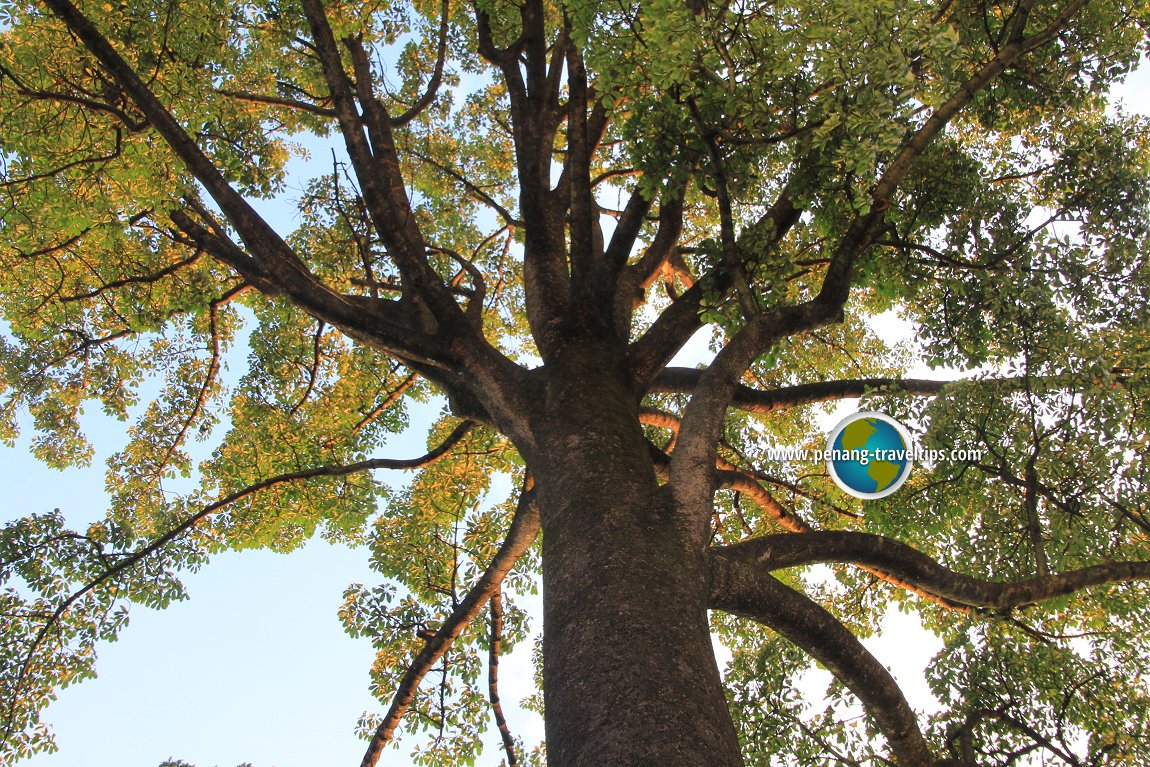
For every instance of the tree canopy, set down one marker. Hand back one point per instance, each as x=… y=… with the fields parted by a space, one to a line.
x=530 y=208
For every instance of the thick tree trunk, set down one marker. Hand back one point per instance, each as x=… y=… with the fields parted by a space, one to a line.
x=630 y=676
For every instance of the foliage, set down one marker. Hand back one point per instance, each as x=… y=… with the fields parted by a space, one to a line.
x=509 y=180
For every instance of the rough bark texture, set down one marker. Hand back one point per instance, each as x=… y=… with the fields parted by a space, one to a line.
x=629 y=671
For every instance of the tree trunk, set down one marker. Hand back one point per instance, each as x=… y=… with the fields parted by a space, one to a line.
x=630 y=676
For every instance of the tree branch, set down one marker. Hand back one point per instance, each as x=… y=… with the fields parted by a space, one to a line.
x=524 y=528
x=279 y=101
x=686 y=380
x=914 y=146
x=143 y=279
x=907 y=564
x=751 y=592
x=655 y=348
x=693 y=464
x=494 y=647
x=741 y=482
x=130 y=560
x=378 y=323
x=69 y=98
x=279 y=260
x=433 y=84
x=663 y=248
x=534 y=117
x=651 y=352
x=272 y=265
x=376 y=163
x=472 y=188
x=864 y=229
x=628 y=225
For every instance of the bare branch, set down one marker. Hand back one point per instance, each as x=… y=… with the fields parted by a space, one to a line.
x=741 y=482
x=628 y=225
x=753 y=593
x=60 y=169
x=685 y=381
x=494 y=647
x=919 y=571
x=534 y=119
x=593 y=275
x=478 y=293
x=205 y=391
x=727 y=236
x=391 y=398
x=256 y=232
x=313 y=369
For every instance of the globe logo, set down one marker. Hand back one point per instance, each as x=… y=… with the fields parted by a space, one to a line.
x=869 y=455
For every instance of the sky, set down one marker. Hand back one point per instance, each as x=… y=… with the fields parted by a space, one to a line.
x=255 y=666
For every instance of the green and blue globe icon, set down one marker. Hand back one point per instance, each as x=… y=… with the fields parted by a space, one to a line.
x=869 y=454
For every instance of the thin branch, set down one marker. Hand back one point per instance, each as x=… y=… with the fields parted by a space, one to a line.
x=134 y=558
x=391 y=398
x=433 y=84
x=313 y=369
x=206 y=387
x=472 y=189
x=493 y=649
x=145 y=279
x=58 y=170
x=279 y=101
x=524 y=528
x=69 y=98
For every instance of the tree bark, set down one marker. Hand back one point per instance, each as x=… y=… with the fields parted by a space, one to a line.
x=630 y=676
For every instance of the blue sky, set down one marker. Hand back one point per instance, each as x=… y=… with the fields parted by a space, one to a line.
x=254 y=667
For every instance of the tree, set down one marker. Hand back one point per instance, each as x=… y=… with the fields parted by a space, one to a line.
x=531 y=207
